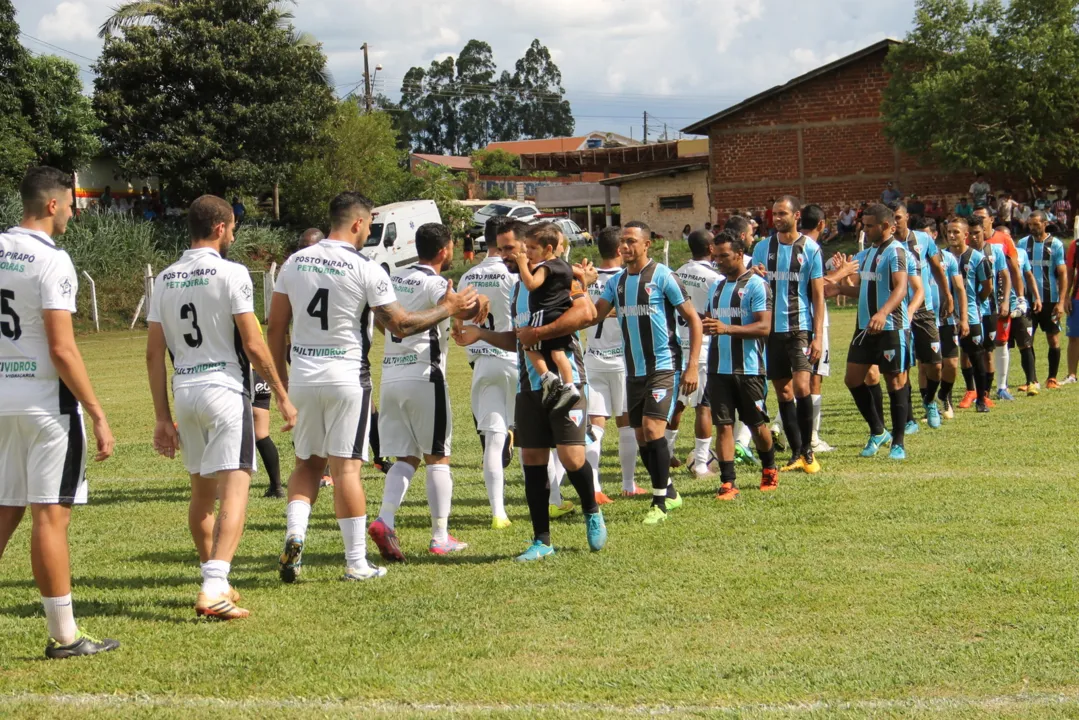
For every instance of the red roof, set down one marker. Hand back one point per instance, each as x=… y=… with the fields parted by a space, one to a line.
x=454 y=162
x=519 y=147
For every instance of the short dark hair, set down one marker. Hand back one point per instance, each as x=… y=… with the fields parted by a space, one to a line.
x=790 y=200
x=607 y=241
x=546 y=234
x=738 y=224
x=505 y=225
x=344 y=207
x=733 y=237
x=642 y=226
x=1039 y=213
x=205 y=214
x=959 y=220
x=881 y=213
x=699 y=243
x=812 y=216
x=430 y=239
x=896 y=205
x=40 y=184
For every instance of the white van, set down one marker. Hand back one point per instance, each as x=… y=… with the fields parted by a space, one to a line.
x=392 y=243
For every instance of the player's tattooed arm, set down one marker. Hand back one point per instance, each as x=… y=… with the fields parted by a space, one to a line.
x=402 y=323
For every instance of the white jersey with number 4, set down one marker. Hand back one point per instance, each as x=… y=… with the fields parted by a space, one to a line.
x=195 y=300
x=418 y=288
x=605 y=351
x=332 y=288
x=698 y=276
x=35 y=276
x=492 y=279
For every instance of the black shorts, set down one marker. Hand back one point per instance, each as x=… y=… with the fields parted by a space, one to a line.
x=949 y=345
x=788 y=353
x=926 y=335
x=261 y=399
x=889 y=350
x=741 y=394
x=1022 y=333
x=1044 y=320
x=972 y=344
x=989 y=332
x=535 y=428
x=654 y=396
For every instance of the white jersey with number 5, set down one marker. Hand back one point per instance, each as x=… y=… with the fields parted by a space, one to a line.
x=418 y=288
x=492 y=279
x=195 y=300
x=332 y=288
x=698 y=277
x=35 y=276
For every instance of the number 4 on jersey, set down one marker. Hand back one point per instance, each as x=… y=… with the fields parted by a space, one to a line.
x=319 y=307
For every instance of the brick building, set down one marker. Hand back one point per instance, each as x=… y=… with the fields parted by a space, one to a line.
x=666 y=199
x=819 y=137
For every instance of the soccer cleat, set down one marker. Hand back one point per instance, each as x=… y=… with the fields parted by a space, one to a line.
x=565 y=398
x=446 y=547
x=932 y=415
x=636 y=492
x=500 y=523
x=897 y=453
x=507 y=449
x=797 y=463
x=82 y=645
x=874 y=443
x=385 y=539
x=769 y=480
x=743 y=455
x=1003 y=394
x=219 y=608
x=550 y=385
x=1069 y=380
x=557 y=511
x=819 y=446
x=675 y=463
x=274 y=493
x=727 y=491
x=536 y=551
x=700 y=470
x=810 y=464
x=989 y=402
x=777 y=432
x=1050 y=384
x=326 y=481
x=1023 y=388
x=367 y=572
x=603 y=499
x=1034 y=389
x=912 y=427
x=673 y=503
x=968 y=399
x=291 y=561
x=949 y=412
x=596 y=530
x=655 y=516
x=983 y=406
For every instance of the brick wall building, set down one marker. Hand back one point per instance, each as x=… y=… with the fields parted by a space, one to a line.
x=667 y=199
x=819 y=137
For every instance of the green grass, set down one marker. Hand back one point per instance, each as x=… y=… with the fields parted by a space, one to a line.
x=942 y=586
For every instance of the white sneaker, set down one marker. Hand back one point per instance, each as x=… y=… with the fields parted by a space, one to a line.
x=819 y=446
x=1068 y=380
x=367 y=572
x=700 y=470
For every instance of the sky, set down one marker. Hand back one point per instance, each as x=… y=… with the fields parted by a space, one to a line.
x=678 y=60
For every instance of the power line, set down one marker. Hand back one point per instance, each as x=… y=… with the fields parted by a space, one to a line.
x=56 y=47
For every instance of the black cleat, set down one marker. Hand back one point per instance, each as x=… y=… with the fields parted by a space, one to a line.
x=507 y=449
x=83 y=645
x=291 y=560
x=565 y=398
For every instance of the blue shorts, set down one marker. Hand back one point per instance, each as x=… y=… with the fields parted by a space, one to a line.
x=1073 y=320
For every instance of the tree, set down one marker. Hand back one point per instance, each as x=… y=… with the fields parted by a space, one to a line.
x=538 y=81
x=16 y=152
x=475 y=81
x=987 y=87
x=210 y=95
x=499 y=163
x=63 y=118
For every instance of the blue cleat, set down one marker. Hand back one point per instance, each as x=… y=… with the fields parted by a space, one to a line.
x=1003 y=394
x=898 y=453
x=743 y=455
x=912 y=427
x=536 y=551
x=932 y=415
x=875 y=442
x=596 y=530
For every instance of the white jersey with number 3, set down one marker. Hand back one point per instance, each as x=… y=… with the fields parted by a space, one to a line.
x=332 y=288
x=195 y=300
x=698 y=277
x=35 y=276
x=492 y=279
x=418 y=288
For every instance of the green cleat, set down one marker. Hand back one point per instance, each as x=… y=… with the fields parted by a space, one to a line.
x=674 y=503
x=655 y=516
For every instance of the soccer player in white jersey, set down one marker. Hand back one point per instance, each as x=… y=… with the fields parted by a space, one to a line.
x=44 y=390
x=606 y=370
x=494 y=371
x=329 y=292
x=415 y=421
x=202 y=314
x=698 y=276
x=812 y=223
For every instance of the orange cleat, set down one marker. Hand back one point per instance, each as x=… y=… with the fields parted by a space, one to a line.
x=602 y=499
x=219 y=608
x=769 y=480
x=636 y=492
x=1022 y=388
x=727 y=491
x=1052 y=384
x=989 y=402
x=968 y=399
x=326 y=481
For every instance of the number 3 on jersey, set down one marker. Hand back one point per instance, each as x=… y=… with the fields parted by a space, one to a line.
x=319 y=307
x=9 y=319
x=188 y=312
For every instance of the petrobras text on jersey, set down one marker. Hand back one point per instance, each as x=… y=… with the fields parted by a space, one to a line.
x=407 y=285
x=318 y=352
x=639 y=310
x=486 y=281
x=699 y=281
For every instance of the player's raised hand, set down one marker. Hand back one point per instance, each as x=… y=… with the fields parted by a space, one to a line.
x=288 y=412
x=712 y=326
x=465 y=335
x=456 y=302
x=585 y=272
x=166 y=439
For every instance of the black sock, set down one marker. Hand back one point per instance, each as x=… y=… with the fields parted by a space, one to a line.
x=945 y=393
x=863 y=399
x=768 y=457
x=537 y=495
x=659 y=469
x=726 y=473
x=981 y=375
x=878 y=403
x=968 y=376
x=1054 y=362
x=581 y=479
x=900 y=413
x=805 y=421
x=271 y=461
x=788 y=416
x=372 y=438
x=930 y=393
x=910 y=400
x=926 y=395
x=1026 y=357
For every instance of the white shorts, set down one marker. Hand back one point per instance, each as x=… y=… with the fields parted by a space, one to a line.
x=414 y=419
x=217 y=429
x=332 y=421
x=494 y=394
x=701 y=394
x=606 y=393
x=44 y=459
x=824 y=365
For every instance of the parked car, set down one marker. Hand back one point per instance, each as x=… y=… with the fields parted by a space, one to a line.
x=499 y=208
x=573 y=233
x=392 y=242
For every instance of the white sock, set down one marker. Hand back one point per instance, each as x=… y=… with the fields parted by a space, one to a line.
x=297 y=514
x=592 y=455
x=701 y=449
x=816 y=417
x=555 y=473
x=493 y=475
x=439 y=499
x=215 y=578
x=672 y=436
x=60 y=618
x=393 y=494
x=354 y=533
x=1004 y=360
x=627 y=457
x=742 y=435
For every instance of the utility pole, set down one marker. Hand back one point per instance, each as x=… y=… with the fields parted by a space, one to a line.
x=664 y=132
x=645 y=136
x=366 y=81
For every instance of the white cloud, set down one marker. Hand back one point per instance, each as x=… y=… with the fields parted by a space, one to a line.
x=70 y=21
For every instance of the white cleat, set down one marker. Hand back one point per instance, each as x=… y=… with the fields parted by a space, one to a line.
x=819 y=446
x=367 y=572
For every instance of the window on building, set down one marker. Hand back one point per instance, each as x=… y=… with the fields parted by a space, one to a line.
x=676 y=202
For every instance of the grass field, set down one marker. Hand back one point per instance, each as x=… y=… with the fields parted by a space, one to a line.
x=942 y=586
